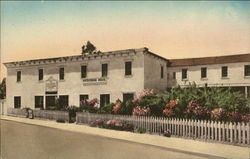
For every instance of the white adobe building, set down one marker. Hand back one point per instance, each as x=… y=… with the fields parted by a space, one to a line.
x=107 y=76
x=114 y=75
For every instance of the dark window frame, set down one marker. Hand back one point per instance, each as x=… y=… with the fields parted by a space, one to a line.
x=61 y=73
x=84 y=70
x=17 y=102
x=174 y=75
x=39 y=103
x=224 y=71
x=128 y=68
x=247 y=70
x=83 y=97
x=105 y=70
x=162 y=72
x=184 y=74
x=18 y=76
x=106 y=96
x=40 y=74
x=203 y=72
x=62 y=102
x=128 y=98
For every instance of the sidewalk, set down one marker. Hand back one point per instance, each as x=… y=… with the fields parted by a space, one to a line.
x=210 y=150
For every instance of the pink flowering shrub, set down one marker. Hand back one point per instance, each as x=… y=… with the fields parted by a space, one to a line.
x=117 y=107
x=194 y=110
x=245 y=118
x=170 y=108
x=167 y=133
x=89 y=105
x=144 y=93
x=141 y=111
x=219 y=114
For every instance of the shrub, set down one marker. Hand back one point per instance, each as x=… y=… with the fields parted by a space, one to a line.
x=90 y=106
x=60 y=121
x=107 y=109
x=196 y=111
x=141 y=111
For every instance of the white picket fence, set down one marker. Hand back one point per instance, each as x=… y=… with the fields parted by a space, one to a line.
x=51 y=115
x=226 y=132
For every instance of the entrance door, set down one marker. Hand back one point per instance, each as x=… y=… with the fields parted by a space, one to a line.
x=50 y=101
x=104 y=99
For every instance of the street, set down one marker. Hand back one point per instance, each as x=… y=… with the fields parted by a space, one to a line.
x=23 y=141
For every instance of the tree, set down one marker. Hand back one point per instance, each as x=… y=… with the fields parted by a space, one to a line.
x=3 y=89
x=89 y=48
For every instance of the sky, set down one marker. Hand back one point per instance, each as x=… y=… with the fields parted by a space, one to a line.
x=42 y=29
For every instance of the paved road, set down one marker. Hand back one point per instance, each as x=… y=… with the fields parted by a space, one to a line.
x=23 y=141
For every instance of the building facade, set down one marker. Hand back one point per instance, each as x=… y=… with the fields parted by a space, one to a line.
x=109 y=76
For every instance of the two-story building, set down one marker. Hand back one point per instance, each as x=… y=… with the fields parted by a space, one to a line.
x=114 y=75
x=222 y=71
x=107 y=76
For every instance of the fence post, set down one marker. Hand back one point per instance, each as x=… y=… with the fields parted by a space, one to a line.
x=239 y=132
x=243 y=132
x=231 y=131
x=248 y=133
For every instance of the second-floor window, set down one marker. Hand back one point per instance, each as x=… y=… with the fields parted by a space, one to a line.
x=184 y=73
x=104 y=70
x=18 y=76
x=247 y=70
x=61 y=73
x=40 y=74
x=162 y=72
x=224 y=71
x=203 y=72
x=128 y=68
x=83 y=71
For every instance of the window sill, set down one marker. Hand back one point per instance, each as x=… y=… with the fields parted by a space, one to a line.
x=62 y=80
x=128 y=76
x=204 y=79
x=40 y=81
x=185 y=79
x=18 y=81
x=224 y=78
x=246 y=77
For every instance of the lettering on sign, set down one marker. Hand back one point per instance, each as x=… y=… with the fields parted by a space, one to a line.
x=93 y=81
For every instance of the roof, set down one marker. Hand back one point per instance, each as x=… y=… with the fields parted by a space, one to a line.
x=209 y=60
x=78 y=57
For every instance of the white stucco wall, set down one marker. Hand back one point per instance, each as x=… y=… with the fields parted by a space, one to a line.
x=152 y=73
x=72 y=85
x=235 y=75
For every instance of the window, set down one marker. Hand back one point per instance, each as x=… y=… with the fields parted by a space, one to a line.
x=18 y=76
x=184 y=74
x=17 y=102
x=40 y=74
x=203 y=72
x=128 y=68
x=83 y=71
x=174 y=75
x=61 y=73
x=128 y=96
x=224 y=71
x=84 y=97
x=64 y=100
x=38 y=101
x=104 y=99
x=104 y=70
x=247 y=70
x=162 y=73
x=50 y=101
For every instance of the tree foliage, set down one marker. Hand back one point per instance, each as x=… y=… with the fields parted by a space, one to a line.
x=88 y=48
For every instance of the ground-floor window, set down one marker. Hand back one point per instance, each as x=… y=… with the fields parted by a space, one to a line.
x=17 y=102
x=83 y=97
x=38 y=101
x=128 y=96
x=104 y=99
x=50 y=101
x=63 y=100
